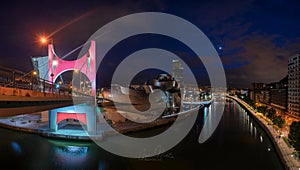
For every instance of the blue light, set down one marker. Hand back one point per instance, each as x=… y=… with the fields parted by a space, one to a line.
x=16 y=148
x=57 y=86
x=220 y=48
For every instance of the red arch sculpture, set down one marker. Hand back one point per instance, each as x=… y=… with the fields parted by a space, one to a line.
x=78 y=116
x=86 y=64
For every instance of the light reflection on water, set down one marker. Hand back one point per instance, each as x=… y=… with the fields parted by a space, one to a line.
x=72 y=154
x=16 y=148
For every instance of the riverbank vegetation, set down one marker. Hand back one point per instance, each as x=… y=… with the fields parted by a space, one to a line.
x=294 y=135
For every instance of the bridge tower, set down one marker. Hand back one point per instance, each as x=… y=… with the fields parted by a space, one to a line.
x=86 y=65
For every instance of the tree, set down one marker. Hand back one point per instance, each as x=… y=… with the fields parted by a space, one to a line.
x=277 y=120
x=262 y=109
x=271 y=113
x=294 y=135
x=249 y=101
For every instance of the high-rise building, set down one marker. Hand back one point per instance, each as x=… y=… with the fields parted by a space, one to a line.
x=294 y=85
x=40 y=64
x=178 y=72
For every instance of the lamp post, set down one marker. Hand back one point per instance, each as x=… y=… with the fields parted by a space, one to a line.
x=44 y=40
x=33 y=75
x=52 y=75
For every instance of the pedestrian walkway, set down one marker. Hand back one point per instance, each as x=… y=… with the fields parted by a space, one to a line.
x=287 y=153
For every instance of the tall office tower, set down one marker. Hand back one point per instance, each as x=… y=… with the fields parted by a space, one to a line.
x=40 y=64
x=178 y=72
x=294 y=85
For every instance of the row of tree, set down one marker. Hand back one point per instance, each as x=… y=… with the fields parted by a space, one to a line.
x=271 y=114
x=294 y=135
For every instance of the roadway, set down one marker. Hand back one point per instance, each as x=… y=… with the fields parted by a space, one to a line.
x=18 y=105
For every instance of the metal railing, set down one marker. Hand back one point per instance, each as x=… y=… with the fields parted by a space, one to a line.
x=30 y=81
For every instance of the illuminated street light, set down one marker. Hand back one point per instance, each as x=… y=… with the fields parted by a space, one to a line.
x=34 y=72
x=43 y=40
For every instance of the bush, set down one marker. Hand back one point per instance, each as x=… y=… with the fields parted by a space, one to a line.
x=294 y=135
x=277 y=120
x=286 y=140
x=109 y=121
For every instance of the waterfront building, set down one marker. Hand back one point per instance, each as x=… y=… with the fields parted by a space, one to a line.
x=294 y=85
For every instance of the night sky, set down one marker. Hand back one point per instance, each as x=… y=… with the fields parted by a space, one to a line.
x=254 y=38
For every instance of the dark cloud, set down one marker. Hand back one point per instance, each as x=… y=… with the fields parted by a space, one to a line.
x=257 y=38
x=265 y=61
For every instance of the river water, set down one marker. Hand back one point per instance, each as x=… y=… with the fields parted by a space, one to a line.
x=238 y=143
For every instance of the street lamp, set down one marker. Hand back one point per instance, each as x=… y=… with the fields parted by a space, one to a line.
x=43 y=40
x=52 y=75
x=34 y=73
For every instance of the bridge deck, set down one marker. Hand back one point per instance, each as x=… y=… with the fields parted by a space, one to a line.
x=17 y=105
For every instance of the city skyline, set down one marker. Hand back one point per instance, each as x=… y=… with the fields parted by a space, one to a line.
x=254 y=39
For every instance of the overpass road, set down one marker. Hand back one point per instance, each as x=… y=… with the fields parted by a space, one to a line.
x=17 y=105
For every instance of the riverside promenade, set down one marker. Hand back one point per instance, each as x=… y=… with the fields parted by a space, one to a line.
x=285 y=152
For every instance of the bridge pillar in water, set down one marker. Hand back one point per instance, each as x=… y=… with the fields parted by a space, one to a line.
x=84 y=113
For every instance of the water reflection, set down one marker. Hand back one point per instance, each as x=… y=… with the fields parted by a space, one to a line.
x=75 y=154
x=16 y=148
